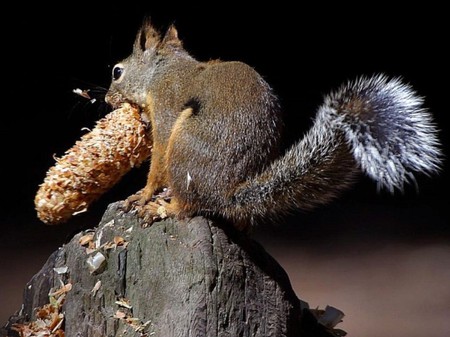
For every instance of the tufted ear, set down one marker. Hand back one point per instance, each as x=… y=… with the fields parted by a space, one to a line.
x=171 y=37
x=148 y=37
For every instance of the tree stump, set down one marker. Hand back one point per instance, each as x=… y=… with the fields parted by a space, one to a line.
x=174 y=278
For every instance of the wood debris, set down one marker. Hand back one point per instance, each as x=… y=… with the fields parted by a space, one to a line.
x=49 y=318
x=86 y=239
x=123 y=302
x=96 y=263
x=97 y=286
x=329 y=318
x=125 y=314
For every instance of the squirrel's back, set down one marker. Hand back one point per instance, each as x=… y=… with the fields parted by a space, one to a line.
x=234 y=132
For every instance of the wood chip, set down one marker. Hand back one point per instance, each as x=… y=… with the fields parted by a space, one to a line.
x=86 y=239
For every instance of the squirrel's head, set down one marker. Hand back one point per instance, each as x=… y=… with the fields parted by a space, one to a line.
x=132 y=78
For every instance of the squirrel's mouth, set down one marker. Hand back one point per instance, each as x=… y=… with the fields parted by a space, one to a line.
x=115 y=99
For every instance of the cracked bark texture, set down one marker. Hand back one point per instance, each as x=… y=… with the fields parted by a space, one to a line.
x=181 y=278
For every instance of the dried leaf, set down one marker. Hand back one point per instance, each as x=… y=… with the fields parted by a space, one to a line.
x=119 y=241
x=49 y=318
x=120 y=314
x=90 y=250
x=86 y=239
x=42 y=312
x=64 y=289
x=56 y=323
x=97 y=286
x=123 y=302
x=82 y=93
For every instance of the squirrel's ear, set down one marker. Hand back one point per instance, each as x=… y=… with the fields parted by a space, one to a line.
x=147 y=37
x=171 y=37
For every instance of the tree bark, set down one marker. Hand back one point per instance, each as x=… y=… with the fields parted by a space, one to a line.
x=174 y=278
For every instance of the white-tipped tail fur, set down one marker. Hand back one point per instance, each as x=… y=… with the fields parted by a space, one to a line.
x=377 y=125
x=390 y=133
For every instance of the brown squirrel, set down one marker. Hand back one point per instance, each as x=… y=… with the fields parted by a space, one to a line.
x=216 y=129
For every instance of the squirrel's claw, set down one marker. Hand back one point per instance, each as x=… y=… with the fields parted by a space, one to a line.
x=129 y=203
x=152 y=211
x=149 y=211
x=141 y=198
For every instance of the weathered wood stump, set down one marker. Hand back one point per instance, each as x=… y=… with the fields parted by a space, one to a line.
x=187 y=278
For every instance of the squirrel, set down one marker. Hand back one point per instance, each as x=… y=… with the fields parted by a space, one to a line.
x=217 y=126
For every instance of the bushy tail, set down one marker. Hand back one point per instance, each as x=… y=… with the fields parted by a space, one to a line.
x=393 y=135
x=377 y=125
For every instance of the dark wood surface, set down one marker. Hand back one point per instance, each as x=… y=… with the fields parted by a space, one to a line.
x=174 y=278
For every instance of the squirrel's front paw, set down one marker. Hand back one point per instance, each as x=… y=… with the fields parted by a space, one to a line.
x=129 y=203
x=148 y=209
x=152 y=211
x=141 y=198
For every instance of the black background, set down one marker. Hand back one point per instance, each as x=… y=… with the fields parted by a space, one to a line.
x=302 y=52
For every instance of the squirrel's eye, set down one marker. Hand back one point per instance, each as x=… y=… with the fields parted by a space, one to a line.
x=117 y=72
